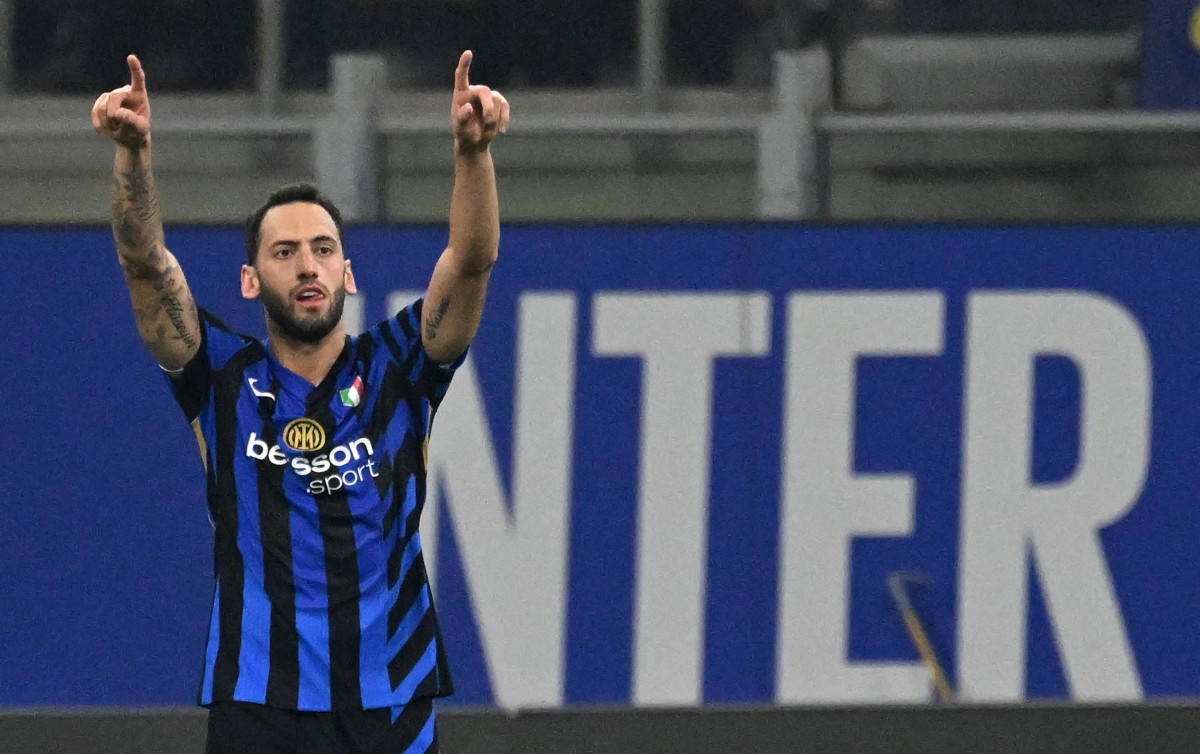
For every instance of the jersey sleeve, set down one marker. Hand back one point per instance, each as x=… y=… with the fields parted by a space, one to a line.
x=399 y=340
x=218 y=344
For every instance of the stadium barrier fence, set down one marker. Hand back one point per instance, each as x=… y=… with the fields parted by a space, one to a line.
x=1029 y=729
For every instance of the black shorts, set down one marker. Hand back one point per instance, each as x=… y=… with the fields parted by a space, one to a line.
x=245 y=728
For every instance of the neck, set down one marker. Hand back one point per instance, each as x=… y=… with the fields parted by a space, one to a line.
x=312 y=361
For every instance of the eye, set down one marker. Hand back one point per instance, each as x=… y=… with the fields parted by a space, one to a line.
x=325 y=250
x=283 y=253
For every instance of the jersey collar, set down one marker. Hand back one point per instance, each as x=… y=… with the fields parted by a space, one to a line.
x=301 y=387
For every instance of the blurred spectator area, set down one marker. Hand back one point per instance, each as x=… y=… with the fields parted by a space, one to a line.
x=1169 y=76
x=993 y=16
x=78 y=46
x=532 y=43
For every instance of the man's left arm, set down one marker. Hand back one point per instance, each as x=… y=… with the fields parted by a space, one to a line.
x=454 y=303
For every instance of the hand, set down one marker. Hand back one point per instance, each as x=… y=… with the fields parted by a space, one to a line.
x=123 y=114
x=477 y=114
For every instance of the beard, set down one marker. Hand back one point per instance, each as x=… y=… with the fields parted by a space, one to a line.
x=310 y=328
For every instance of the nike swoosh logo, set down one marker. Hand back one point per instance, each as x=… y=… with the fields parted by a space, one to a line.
x=260 y=393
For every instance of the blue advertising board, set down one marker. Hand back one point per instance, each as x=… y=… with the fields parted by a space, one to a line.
x=679 y=467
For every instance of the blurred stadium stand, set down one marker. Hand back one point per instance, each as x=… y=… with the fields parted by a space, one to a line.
x=862 y=159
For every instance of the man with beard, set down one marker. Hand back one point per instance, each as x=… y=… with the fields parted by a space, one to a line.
x=323 y=634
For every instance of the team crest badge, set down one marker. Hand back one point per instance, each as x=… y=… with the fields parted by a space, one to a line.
x=304 y=435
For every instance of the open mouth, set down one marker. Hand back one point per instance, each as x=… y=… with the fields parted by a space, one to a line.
x=310 y=297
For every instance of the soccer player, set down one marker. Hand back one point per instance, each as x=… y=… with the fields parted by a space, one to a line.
x=323 y=635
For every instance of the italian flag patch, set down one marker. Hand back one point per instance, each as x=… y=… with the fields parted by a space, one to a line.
x=352 y=395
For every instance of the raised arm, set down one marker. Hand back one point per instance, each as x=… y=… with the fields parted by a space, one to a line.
x=162 y=303
x=454 y=303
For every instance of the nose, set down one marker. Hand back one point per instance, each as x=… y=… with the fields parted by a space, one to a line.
x=306 y=263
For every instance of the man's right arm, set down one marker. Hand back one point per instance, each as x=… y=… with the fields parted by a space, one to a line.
x=162 y=302
x=163 y=305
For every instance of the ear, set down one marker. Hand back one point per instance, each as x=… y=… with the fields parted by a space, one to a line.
x=351 y=286
x=250 y=285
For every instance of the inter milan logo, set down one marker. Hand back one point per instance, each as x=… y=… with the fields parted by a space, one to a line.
x=304 y=435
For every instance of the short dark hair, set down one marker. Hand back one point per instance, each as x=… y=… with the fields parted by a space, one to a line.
x=296 y=192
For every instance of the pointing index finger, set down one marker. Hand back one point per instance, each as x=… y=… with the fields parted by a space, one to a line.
x=137 y=77
x=461 y=79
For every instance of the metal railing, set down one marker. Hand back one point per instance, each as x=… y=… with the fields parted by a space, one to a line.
x=593 y=125
x=1044 y=122
x=230 y=126
x=791 y=163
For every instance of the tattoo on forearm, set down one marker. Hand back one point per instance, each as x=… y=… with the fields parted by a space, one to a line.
x=174 y=309
x=434 y=320
x=137 y=223
x=165 y=311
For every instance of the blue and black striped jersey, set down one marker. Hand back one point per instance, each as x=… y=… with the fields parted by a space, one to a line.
x=321 y=599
